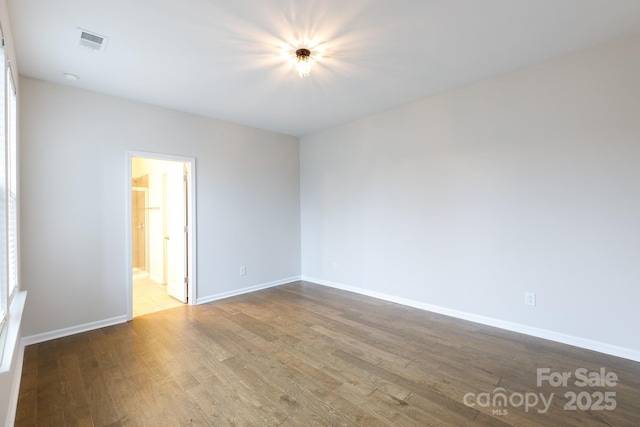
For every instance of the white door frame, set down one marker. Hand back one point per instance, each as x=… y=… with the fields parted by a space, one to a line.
x=191 y=233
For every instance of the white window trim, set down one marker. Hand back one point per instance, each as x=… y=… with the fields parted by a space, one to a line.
x=11 y=331
x=13 y=301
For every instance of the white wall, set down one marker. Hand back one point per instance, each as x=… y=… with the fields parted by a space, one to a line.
x=74 y=188
x=528 y=182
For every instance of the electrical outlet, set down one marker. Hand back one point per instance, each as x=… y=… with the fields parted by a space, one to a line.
x=530 y=298
x=243 y=271
x=334 y=266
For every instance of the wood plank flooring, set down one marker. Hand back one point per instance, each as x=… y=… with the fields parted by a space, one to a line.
x=307 y=355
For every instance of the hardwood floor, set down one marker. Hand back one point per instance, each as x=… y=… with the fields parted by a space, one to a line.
x=303 y=355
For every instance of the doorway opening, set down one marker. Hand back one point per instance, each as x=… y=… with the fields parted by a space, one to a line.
x=161 y=249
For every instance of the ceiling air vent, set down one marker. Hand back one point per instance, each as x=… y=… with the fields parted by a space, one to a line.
x=92 y=41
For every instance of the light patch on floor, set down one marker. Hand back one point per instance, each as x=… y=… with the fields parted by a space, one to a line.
x=150 y=296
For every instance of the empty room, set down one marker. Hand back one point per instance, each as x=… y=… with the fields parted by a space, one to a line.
x=320 y=212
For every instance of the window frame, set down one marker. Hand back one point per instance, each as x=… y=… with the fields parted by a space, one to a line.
x=11 y=146
x=5 y=300
x=9 y=218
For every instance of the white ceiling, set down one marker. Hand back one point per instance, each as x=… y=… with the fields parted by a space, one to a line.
x=232 y=59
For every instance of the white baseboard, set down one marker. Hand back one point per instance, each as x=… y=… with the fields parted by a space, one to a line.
x=601 y=347
x=230 y=294
x=60 y=333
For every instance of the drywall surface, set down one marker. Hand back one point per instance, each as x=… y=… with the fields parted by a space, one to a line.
x=469 y=199
x=74 y=190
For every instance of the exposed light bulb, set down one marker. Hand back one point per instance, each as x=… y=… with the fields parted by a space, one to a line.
x=303 y=66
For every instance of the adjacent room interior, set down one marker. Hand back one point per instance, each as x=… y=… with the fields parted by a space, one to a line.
x=159 y=217
x=309 y=213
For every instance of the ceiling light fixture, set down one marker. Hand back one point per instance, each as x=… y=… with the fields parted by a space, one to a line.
x=304 y=65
